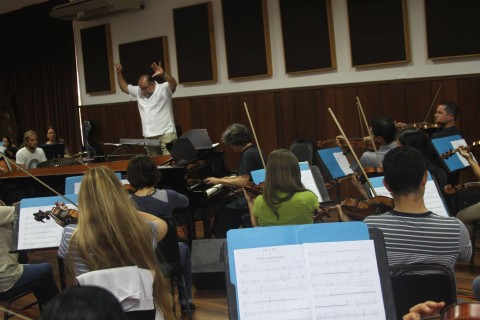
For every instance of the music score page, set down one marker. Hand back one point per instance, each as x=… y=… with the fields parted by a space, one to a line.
x=327 y=280
x=33 y=234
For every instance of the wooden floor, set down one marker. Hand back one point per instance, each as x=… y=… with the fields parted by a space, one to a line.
x=212 y=304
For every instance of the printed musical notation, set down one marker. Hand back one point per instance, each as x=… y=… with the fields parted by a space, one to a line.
x=33 y=234
x=329 y=280
x=343 y=163
x=432 y=198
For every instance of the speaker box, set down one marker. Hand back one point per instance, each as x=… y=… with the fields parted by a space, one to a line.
x=208 y=264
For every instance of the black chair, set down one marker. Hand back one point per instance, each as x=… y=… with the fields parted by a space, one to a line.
x=416 y=283
x=473 y=238
x=8 y=302
x=303 y=149
x=169 y=256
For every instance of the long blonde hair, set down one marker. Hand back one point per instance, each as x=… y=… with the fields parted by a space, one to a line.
x=111 y=233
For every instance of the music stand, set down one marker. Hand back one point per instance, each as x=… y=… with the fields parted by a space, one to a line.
x=54 y=150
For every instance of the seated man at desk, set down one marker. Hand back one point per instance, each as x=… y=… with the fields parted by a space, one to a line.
x=413 y=234
x=30 y=155
x=16 y=278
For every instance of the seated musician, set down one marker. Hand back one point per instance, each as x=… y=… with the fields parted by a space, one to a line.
x=16 y=278
x=383 y=133
x=30 y=155
x=229 y=216
x=10 y=148
x=112 y=233
x=416 y=138
x=52 y=136
x=413 y=234
x=284 y=199
x=470 y=214
x=143 y=176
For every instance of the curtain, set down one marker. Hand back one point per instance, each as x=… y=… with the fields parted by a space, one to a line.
x=38 y=74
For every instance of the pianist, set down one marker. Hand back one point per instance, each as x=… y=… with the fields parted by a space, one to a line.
x=235 y=212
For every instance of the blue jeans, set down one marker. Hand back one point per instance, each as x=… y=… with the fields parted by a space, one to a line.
x=186 y=262
x=35 y=277
x=476 y=287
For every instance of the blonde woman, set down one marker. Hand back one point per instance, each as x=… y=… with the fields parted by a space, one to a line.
x=112 y=233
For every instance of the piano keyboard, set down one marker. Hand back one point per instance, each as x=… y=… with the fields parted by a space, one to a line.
x=213 y=190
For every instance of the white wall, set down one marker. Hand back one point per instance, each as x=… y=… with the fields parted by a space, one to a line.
x=157 y=20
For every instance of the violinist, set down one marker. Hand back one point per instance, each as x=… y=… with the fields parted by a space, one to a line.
x=235 y=211
x=16 y=278
x=284 y=199
x=112 y=233
x=383 y=132
x=472 y=213
x=418 y=139
x=413 y=234
x=446 y=116
x=424 y=310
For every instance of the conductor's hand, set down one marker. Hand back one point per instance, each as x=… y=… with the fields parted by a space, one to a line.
x=425 y=309
x=158 y=70
x=118 y=67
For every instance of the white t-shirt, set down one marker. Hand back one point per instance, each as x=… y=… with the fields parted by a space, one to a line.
x=155 y=111
x=30 y=159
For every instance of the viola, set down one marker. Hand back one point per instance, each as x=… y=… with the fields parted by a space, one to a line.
x=471 y=186
x=425 y=126
x=61 y=214
x=360 y=209
x=322 y=212
x=474 y=148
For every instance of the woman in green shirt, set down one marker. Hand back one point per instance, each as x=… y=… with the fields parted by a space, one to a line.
x=284 y=199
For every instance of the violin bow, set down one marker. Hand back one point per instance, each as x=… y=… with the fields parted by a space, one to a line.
x=433 y=102
x=254 y=135
x=359 y=104
x=36 y=179
x=359 y=118
x=351 y=150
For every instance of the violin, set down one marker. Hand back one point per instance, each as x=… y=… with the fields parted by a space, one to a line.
x=473 y=186
x=474 y=148
x=354 y=142
x=370 y=171
x=358 y=210
x=425 y=126
x=254 y=189
x=61 y=214
x=464 y=310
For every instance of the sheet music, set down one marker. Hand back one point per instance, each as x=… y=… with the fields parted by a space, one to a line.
x=344 y=280
x=343 y=163
x=433 y=200
x=328 y=280
x=308 y=181
x=34 y=234
x=456 y=144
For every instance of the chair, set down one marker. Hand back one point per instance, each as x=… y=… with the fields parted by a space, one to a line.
x=473 y=238
x=302 y=149
x=416 y=283
x=169 y=256
x=132 y=286
x=8 y=302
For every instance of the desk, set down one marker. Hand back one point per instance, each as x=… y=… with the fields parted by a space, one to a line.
x=55 y=176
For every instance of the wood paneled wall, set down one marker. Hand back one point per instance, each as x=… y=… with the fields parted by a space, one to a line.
x=280 y=116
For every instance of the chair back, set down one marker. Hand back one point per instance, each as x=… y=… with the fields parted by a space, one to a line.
x=302 y=149
x=167 y=249
x=416 y=283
